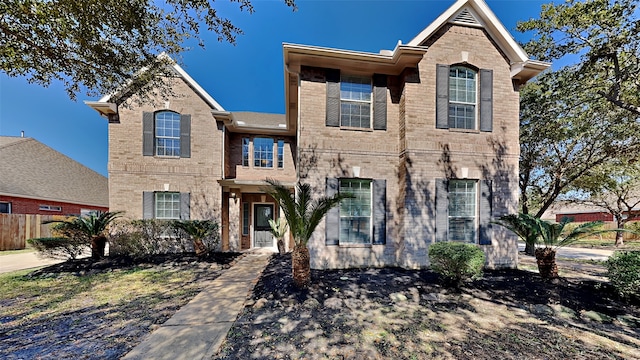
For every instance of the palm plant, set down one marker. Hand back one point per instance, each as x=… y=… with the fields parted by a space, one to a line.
x=92 y=227
x=303 y=215
x=198 y=230
x=278 y=230
x=535 y=231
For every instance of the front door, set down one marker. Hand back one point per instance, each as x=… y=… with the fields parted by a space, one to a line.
x=262 y=213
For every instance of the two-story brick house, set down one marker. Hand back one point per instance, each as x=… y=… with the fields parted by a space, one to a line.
x=425 y=136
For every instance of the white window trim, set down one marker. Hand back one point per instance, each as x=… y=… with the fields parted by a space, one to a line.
x=273 y=159
x=155 y=205
x=156 y=136
x=475 y=104
x=340 y=217
x=476 y=215
x=370 y=102
x=50 y=208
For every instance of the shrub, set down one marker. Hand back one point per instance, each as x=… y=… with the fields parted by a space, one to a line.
x=142 y=238
x=624 y=273
x=456 y=262
x=60 y=247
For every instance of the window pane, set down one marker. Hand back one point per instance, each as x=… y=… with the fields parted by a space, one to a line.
x=245 y=152
x=462 y=98
x=263 y=152
x=167 y=205
x=355 y=213
x=462 y=210
x=355 y=102
x=280 y=154
x=245 y=218
x=167 y=133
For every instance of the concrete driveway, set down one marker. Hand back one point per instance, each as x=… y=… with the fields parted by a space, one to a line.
x=578 y=253
x=22 y=261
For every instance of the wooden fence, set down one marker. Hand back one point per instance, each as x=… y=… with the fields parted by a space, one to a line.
x=15 y=229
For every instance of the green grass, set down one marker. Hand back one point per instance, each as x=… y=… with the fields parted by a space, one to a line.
x=13 y=252
x=34 y=298
x=606 y=243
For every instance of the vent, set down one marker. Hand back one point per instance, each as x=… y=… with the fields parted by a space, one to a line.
x=466 y=17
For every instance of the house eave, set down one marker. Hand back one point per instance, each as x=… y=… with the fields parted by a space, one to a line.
x=236 y=126
x=525 y=71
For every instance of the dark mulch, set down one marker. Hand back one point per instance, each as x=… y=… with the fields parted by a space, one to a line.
x=387 y=312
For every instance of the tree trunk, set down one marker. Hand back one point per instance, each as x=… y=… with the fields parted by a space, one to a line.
x=530 y=249
x=199 y=247
x=301 y=266
x=98 y=243
x=619 y=238
x=280 y=246
x=546 y=259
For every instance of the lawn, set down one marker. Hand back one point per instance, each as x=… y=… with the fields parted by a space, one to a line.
x=100 y=311
x=404 y=314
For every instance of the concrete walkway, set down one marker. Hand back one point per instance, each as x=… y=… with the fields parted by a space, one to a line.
x=198 y=329
x=578 y=253
x=15 y=262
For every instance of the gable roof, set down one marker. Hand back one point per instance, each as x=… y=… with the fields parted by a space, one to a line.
x=476 y=13
x=33 y=170
x=105 y=107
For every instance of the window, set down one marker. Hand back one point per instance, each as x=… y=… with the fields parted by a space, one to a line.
x=245 y=151
x=167 y=205
x=263 y=152
x=355 y=102
x=462 y=98
x=245 y=218
x=50 y=208
x=167 y=133
x=462 y=210
x=5 y=208
x=280 y=154
x=355 y=213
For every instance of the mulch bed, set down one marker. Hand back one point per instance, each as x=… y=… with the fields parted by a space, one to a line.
x=330 y=318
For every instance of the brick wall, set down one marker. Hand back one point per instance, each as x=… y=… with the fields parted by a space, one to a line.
x=131 y=173
x=21 y=205
x=411 y=154
x=235 y=169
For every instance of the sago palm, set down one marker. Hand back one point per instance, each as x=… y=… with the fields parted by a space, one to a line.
x=92 y=227
x=198 y=230
x=278 y=230
x=303 y=213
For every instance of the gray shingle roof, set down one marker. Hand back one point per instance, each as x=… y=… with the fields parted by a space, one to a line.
x=32 y=169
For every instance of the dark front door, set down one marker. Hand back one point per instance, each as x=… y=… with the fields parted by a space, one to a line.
x=262 y=213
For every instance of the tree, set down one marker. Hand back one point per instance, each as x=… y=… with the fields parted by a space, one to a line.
x=604 y=34
x=91 y=227
x=278 y=230
x=564 y=133
x=97 y=46
x=614 y=187
x=303 y=215
x=198 y=230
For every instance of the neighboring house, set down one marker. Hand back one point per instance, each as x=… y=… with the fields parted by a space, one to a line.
x=580 y=212
x=425 y=136
x=35 y=179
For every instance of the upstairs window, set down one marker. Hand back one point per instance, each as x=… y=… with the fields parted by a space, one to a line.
x=263 y=152
x=167 y=134
x=355 y=102
x=280 y=154
x=245 y=151
x=462 y=97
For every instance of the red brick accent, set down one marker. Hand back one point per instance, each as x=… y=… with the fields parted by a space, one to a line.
x=21 y=205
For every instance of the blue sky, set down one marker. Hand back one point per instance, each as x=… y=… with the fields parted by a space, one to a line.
x=245 y=77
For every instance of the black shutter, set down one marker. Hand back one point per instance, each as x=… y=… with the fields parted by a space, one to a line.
x=185 y=136
x=333 y=97
x=379 y=212
x=442 y=96
x=486 y=100
x=380 y=102
x=147 y=134
x=486 y=197
x=332 y=224
x=442 y=210
x=148 y=198
x=185 y=205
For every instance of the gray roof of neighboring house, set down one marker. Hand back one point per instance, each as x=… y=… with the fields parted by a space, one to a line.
x=31 y=169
